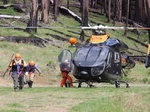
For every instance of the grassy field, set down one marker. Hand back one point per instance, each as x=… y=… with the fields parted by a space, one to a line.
x=99 y=99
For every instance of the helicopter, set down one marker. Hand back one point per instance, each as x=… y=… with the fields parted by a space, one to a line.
x=101 y=59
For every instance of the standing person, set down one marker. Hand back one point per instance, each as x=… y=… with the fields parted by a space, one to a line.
x=17 y=66
x=30 y=73
x=65 y=69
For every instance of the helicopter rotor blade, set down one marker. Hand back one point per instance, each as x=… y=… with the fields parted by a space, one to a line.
x=114 y=28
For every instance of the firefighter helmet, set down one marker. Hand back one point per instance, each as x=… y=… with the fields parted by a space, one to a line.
x=17 y=55
x=31 y=63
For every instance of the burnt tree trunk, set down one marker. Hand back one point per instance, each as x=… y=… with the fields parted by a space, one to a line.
x=145 y=7
x=124 y=8
x=91 y=3
x=55 y=9
x=127 y=16
x=5 y=2
x=118 y=10
x=24 y=4
x=81 y=5
x=109 y=10
x=85 y=8
x=32 y=24
x=138 y=10
x=105 y=6
x=114 y=11
x=45 y=11
x=94 y=3
x=85 y=12
x=148 y=18
x=68 y=4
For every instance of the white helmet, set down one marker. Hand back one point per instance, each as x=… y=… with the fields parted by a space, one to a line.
x=66 y=61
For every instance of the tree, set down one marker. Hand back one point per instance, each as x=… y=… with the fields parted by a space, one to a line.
x=105 y=6
x=32 y=24
x=68 y=4
x=127 y=15
x=93 y=3
x=124 y=7
x=148 y=17
x=55 y=9
x=45 y=11
x=5 y=2
x=118 y=10
x=109 y=10
x=85 y=12
x=138 y=10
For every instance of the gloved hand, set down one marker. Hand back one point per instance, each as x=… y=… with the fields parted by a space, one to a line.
x=3 y=75
x=40 y=74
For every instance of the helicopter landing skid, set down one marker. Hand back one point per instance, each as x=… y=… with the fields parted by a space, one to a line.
x=89 y=83
x=117 y=84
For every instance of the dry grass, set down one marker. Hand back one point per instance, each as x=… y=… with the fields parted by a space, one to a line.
x=49 y=98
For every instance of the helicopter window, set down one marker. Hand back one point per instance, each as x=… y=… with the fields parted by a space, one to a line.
x=81 y=54
x=93 y=54
x=116 y=57
x=109 y=59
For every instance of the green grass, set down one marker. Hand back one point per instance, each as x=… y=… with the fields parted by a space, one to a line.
x=101 y=98
x=8 y=11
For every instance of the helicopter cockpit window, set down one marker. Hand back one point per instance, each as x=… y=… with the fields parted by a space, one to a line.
x=116 y=57
x=91 y=55
x=81 y=54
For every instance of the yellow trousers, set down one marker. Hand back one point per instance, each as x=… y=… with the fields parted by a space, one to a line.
x=29 y=76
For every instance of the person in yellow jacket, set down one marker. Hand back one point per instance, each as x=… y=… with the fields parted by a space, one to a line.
x=18 y=67
x=30 y=72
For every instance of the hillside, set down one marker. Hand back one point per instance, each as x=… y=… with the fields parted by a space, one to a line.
x=56 y=35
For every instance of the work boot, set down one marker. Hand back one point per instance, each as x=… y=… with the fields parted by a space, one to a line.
x=20 y=88
x=67 y=84
x=31 y=83
x=16 y=89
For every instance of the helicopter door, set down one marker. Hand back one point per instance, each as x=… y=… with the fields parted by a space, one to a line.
x=65 y=55
x=117 y=63
x=147 y=64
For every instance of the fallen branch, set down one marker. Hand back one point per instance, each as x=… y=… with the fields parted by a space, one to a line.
x=5 y=6
x=75 y=16
x=71 y=13
x=18 y=7
x=14 y=17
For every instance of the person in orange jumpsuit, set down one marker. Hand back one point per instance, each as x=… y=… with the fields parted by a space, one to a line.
x=65 y=69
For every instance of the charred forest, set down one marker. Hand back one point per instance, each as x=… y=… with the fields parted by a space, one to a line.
x=130 y=12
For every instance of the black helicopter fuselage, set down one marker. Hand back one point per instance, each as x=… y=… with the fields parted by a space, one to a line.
x=101 y=61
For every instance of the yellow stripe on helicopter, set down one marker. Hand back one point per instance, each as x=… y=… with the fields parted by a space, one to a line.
x=148 y=50
x=95 y=39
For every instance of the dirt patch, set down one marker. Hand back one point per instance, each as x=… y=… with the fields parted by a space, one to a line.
x=5 y=81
